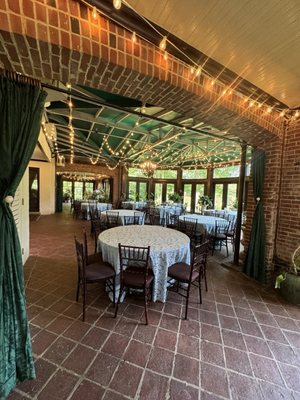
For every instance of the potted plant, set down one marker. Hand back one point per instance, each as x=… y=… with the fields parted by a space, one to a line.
x=67 y=196
x=205 y=201
x=176 y=197
x=288 y=282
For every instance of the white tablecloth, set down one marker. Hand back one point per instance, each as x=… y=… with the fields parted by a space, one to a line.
x=125 y=213
x=135 y=205
x=167 y=246
x=204 y=223
x=86 y=206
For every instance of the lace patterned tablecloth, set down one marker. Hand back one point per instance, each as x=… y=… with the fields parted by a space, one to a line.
x=204 y=223
x=125 y=213
x=167 y=246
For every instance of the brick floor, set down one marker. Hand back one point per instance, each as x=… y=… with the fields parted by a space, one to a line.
x=243 y=342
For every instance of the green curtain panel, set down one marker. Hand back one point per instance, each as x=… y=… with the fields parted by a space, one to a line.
x=59 y=193
x=21 y=108
x=255 y=259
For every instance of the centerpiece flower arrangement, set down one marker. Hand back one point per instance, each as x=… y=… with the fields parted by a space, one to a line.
x=99 y=195
x=205 y=201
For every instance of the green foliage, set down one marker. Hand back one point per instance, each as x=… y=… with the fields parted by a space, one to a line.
x=194 y=174
x=205 y=201
x=176 y=197
x=165 y=174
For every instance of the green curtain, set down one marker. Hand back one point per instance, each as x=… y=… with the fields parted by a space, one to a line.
x=21 y=108
x=59 y=193
x=255 y=259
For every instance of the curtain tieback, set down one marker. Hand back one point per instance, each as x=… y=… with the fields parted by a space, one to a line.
x=8 y=199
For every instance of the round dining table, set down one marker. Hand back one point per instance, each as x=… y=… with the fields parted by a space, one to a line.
x=125 y=213
x=205 y=223
x=167 y=246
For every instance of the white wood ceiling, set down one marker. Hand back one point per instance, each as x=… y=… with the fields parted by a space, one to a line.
x=257 y=39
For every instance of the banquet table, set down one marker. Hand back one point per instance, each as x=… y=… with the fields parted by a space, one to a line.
x=166 y=210
x=125 y=213
x=86 y=206
x=134 y=205
x=204 y=223
x=167 y=246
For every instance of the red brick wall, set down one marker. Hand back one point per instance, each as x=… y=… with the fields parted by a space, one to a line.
x=59 y=40
x=288 y=234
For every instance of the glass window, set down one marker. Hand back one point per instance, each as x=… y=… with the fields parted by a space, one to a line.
x=199 y=193
x=132 y=190
x=136 y=172
x=67 y=187
x=218 y=196
x=170 y=190
x=78 y=190
x=143 y=191
x=232 y=196
x=88 y=189
x=165 y=174
x=158 y=193
x=232 y=171
x=194 y=174
x=187 y=196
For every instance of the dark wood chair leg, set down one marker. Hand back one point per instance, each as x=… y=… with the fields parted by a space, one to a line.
x=118 y=302
x=84 y=301
x=199 y=288
x=187 y=303
x=146 y=304
x=78 y=288
x=114 y=290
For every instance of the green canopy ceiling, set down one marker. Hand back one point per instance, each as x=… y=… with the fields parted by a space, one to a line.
x=118 y=130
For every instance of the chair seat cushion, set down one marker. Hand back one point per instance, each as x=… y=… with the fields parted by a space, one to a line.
x=99 y=271
x=135 y=279
x=181 y=272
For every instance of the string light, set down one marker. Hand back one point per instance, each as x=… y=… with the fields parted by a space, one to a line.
x=117 y=4
x=163 y=43
x=198 y=70
x=94 y=13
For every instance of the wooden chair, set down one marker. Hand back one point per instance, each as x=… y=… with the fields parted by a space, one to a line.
x=189 y=227
x=190 y=274
x=94 y=215
x=90 y=258
x=219 y=237
x=77 y=213
x=231 y=229
x=173 y=221
x=112 y=219
x=135 y=272
x=92 y=273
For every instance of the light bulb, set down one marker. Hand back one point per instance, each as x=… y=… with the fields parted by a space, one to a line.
x=269 y=109
x=198 y=70
x=165 y=56
x=117 y=4
x=282 y=113
x=297 y=114
x=94 y=13
x=163 y=43
x=192 y=70
x=133 y=37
